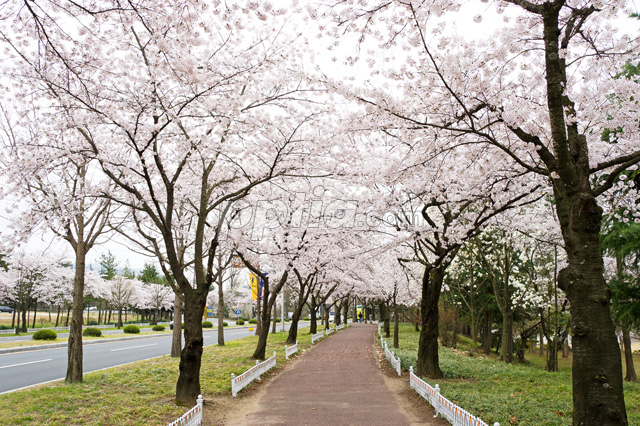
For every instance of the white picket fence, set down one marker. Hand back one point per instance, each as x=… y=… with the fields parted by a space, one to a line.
x=340 y=327
x=240 y=382
x=192 y=417
x=330 y=330
x=290 y=350
x=447 y=409
x=391 y=356
x=317 y=336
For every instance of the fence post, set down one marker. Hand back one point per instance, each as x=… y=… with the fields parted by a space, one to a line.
x=437 y=399
x=233 y=386
x=257 y=364
x=286 y=356
x=200 y=402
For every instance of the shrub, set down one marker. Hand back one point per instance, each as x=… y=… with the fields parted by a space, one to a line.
x=252 y=321
x=91 y=332
x=224 y=324
x=131 y=329
x=287 y=320
x=207 y=324
x=45 y=335
x=240 y=322
x=158 y=327
x=305 y=319
x=278 y=320
x=92 y=322
x=182 y=326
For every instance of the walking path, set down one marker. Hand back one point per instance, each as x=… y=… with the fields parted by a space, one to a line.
x=336 y=383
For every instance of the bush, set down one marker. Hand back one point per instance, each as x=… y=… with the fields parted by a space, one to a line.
x=287 y=320
x=207 y=324
x=182 y=326
x=224 y=324
x=131 y=329
x=92 y=322
x=305 y=319
x=252 y=321
x=158 y=327
x=240 y=322
x=45 y=335
x=91 y=332
x=278 y=320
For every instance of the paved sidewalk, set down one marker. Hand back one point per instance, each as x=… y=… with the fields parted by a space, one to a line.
x=336 y=383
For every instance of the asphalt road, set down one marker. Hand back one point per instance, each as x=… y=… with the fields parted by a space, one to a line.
x=24 y=369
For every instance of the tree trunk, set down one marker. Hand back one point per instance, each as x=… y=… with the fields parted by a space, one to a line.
x=119 y=318
x=598 y=397
x=275 y=317
x=428 y=362
x=74 y=351
x=25 y=321
x=355 y=310
x=13 y=316
x=176 y=341
x=384 y=316
x=396 y=326
x=506 y=350
x=552 y=355
x=220 y=312
x=565 y=348
x=58 y=316
x=417 y=317
x=35 y=313
x=314 y=321
x=66 y=321
x=488 y=335
x=628 y=356
x=261 y=347
x=188 y=386
x=292 y=338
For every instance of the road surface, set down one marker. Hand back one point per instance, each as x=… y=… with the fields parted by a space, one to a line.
x=24 y=369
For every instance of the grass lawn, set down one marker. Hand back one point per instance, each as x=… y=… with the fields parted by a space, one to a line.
x=505 y=393
x=136 y=394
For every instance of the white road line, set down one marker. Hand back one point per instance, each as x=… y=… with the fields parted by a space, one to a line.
x=132 y=347
x=26 y=363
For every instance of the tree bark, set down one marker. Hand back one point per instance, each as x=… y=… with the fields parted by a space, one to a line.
x=598 y=397
x=35 y=313
x=628 y=356
x=428 y=361
x=176 y=341
x=314 y=321
x=220 y=312
x=188 y=385
x=396 y=326
x=58 y=316
x=74 y=347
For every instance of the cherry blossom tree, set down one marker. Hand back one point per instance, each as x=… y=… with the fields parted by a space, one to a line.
x=541 y=91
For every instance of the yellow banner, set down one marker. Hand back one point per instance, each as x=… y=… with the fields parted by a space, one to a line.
x=254 y=285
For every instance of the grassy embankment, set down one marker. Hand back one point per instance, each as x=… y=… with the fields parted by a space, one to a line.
x=505 y=393
x=136 y=394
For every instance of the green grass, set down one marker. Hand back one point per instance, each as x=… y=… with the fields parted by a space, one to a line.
x=506 y=393
x=136 y=394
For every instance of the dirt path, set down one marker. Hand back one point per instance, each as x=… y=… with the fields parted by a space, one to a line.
x=339 y=382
